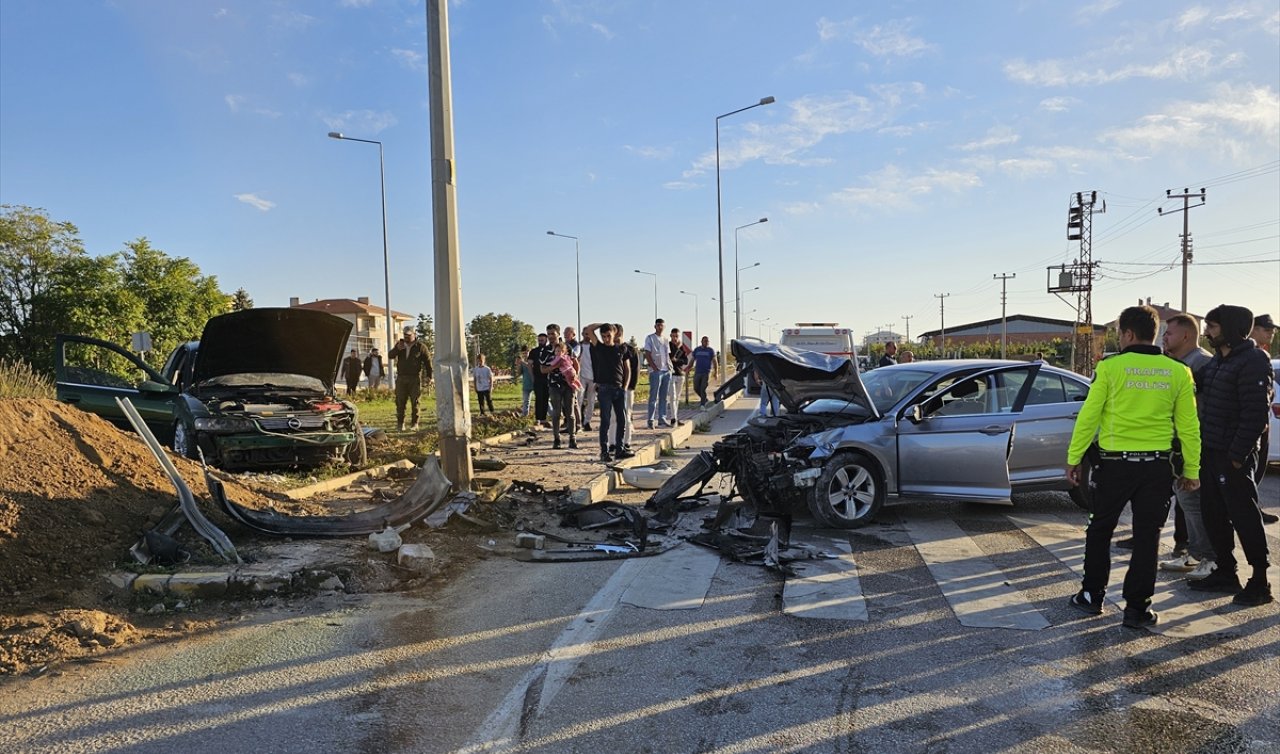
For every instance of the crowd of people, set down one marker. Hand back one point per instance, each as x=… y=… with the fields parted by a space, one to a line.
x=1187 y=419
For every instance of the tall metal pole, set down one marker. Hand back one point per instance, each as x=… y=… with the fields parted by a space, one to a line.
x=1004 y=281
x=1186 y=196
x=906 y=319
x=577 y=271
x=942 y=315
x=452 y=403
x=697 y=328
x=655 y=292
x=386 y=260
x=724 y=363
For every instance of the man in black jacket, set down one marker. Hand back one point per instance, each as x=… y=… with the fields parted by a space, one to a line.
x=413 y=370
x=1233 y=393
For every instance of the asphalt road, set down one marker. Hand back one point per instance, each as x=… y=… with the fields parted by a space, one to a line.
x=551 y=658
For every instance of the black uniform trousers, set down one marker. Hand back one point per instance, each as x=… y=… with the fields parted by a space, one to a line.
x=1145 y=484
x=541 y=398
x=1229 y=503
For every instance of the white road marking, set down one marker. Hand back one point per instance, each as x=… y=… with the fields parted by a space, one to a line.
x=1182 y=613
x=675 y=580
x=975 y=588
x=827 y=588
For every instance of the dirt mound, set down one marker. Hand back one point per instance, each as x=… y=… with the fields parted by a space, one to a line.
x=75 y=493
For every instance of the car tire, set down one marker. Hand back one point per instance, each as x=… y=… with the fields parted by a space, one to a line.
x=1082 y=494
x=358 y=451
x=849 y=493
x=184 y=441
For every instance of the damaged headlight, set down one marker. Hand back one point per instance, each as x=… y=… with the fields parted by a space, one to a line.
x=225 y=424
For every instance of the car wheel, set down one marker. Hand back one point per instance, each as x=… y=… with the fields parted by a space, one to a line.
x=849 y=493
x=184 y=440
x=1082 y=494
x=358 y=451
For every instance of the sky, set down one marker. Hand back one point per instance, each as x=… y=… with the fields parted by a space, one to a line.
x=914 y=149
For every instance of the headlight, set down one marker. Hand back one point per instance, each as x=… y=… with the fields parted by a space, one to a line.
x=225 y=424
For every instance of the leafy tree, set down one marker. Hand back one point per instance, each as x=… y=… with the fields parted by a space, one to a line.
x=240 y=300
x=176 y=299
x=33 y=248
x=498 y=336
x=427 y=331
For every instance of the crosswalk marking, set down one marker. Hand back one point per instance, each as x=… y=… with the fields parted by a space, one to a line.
x=675 y=580
x=973 y=586
x=826 y=588
x=1182 y=613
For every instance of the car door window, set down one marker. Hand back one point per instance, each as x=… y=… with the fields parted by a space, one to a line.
x=1075 y=391
x=1047 y=388
x=99 y=366
x=962 y=397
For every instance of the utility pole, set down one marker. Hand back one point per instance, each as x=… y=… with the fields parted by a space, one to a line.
x=1186 y=197
x=906 y=321
x=1003 y=278
x=1077 y=278
x=453 y=409
x=942 y=315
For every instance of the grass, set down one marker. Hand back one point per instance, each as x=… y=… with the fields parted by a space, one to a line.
x=18 y=380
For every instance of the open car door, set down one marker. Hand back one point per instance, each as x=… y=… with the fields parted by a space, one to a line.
x=955 y=442
x=90 y=374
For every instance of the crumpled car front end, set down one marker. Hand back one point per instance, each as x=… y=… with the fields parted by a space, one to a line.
x=254 y=431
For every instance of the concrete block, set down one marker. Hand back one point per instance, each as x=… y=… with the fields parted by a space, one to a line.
x=530 y=541
x=202 y=585
x=259 y=580
x=415 y=556
x=151 y=583
x=121 y=580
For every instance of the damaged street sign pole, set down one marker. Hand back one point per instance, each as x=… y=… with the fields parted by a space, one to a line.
x=452 y=402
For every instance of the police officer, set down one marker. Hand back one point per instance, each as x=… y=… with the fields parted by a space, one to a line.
x=1137 y=399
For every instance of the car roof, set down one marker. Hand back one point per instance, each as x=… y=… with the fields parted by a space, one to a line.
x=946 y=365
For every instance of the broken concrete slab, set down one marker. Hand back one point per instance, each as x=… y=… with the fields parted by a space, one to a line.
x=337 y=483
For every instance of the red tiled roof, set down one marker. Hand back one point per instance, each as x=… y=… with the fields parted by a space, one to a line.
x=349 y=306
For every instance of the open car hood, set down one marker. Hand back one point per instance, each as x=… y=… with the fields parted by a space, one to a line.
x=798 y=377
x=286 y=341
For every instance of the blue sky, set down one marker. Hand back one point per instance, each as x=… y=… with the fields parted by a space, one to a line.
x=915 y=148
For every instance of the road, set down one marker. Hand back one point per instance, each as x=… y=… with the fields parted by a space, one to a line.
x=950 y=633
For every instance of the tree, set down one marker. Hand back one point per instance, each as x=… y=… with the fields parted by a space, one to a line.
x=427 y=331
x=176 y=299
x=240 y=300
x=33 y=248
x=499 y=335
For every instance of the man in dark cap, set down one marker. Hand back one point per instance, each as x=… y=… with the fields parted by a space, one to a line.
x=413 y=370
x=1264 y=330
x=1234 y=400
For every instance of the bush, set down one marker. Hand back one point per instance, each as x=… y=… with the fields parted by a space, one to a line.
x=19 y=380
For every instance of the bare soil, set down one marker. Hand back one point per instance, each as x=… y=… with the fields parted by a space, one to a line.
x=76 y=492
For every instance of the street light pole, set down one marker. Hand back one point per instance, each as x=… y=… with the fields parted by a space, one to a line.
x=697 y=329
x=577 y=271
x=386 y=263
x=724 y=364
x=736 y=269
x=655 y=292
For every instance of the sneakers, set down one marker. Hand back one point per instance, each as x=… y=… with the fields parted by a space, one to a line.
x=573 y=443
x=586 y=426
x=605 y=457
x=555 y=445
x=414 y=427
x=1087 y=602
x=1206 y=567
x=399 y=426
x=1218 y=581
x=1182 y=563
x=648 y=425
x=1137 y=618
x=1256 y=592
x=1269 y=518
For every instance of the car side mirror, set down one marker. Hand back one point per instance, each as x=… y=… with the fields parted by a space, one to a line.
x=913 y=413
x=151 y=386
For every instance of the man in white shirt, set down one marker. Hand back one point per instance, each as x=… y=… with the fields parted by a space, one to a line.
x=658 y=360
x=484 y=384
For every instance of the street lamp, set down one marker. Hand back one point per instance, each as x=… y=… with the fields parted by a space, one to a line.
x=577 y=271
x=737 y=305
x=697 y=329
x=736 y=269
x=655 y=292
x=386 y=264
x=724 y=364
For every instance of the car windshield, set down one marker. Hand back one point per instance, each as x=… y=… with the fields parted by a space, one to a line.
x=887 y=386
x=267 y=381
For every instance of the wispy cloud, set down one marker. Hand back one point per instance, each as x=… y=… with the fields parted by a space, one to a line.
x=293 y=19
x=413 y=60
x=892 y=39
x=255 y=201
x=359 y=122
x=602 y=30
x=810 y=119
x=1058 y=104
x=355 y=3
x=1185 y=63
x=1219 y=124
x=575 y=13
x=1087 y=13
x=298 y=79
x=997 y=136
x=891 y=188
x=1190 y=17
x=681 y=185
x=650 y=153
x=234 y=102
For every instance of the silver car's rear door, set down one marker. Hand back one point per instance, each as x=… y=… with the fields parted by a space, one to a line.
x=959 y=448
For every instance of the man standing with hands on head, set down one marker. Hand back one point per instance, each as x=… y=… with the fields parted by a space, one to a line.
x=1137 y=399
x=612 y=373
